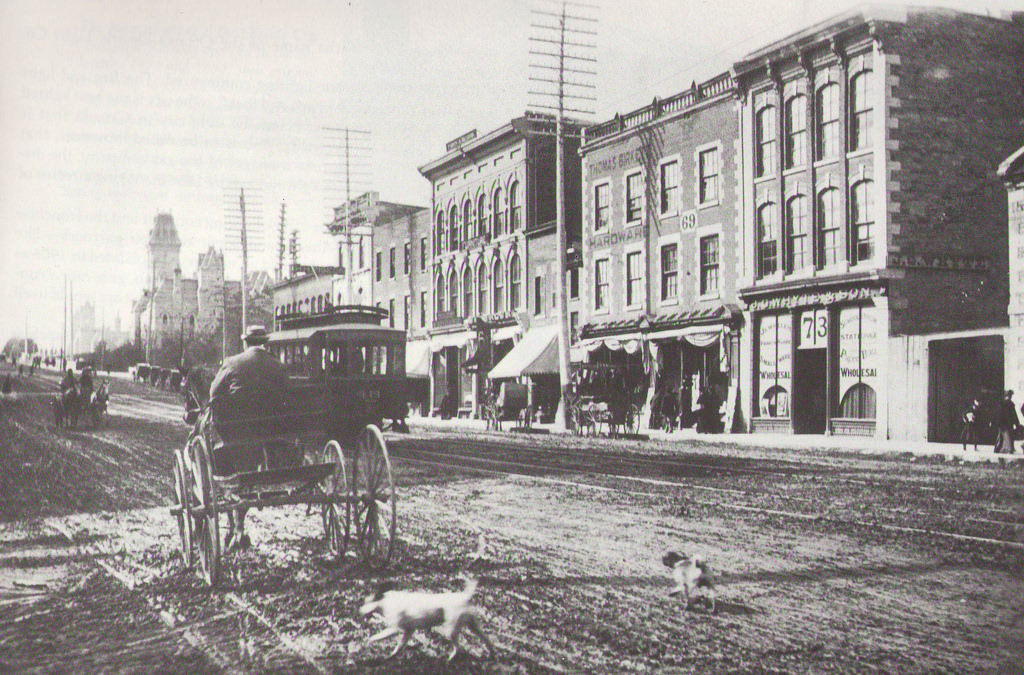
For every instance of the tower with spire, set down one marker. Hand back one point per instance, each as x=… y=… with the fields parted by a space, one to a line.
x=164 y=251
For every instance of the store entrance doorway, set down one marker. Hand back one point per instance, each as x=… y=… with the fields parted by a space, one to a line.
x=810 y=392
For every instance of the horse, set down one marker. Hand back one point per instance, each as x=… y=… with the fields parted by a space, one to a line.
x=97 y=406
x=65 y=408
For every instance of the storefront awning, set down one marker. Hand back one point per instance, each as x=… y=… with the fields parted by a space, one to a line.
x=439 y=342
x=417 y=358
x=505 y=333
x=698 y=336
x=535 y=354
x=630 y=343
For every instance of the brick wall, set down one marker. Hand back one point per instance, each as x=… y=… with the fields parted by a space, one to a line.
x=955 y=96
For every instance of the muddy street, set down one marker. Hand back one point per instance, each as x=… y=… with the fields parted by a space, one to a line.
x=825 y=561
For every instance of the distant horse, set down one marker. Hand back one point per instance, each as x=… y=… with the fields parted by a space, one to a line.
x=65 y=409
x=97 y=406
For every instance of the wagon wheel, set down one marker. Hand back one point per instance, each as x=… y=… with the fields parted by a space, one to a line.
x=337 y=516
x=373 y=498
x=205 y=497
x=182 y=493
x=633 y=418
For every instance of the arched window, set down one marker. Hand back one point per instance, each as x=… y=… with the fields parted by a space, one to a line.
x=861 y=213
x=453 y=229
x=498 y=284
x=467 y=220
x=858 y=402
x=826 y=107
x=514 y=215
x=439 y=232
x=796 y=131
x=481 y=215
x=439 y=295
x=481 y=289
x=453 y=292
x=513 y=283
x=767 y=237
x=467 y=291
x=828 y=222
x=798 y=233
x=860 y=110
x=775 y=402
x=765 y=132
x=497 y=215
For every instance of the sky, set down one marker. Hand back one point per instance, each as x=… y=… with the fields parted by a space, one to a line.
x=112 y=111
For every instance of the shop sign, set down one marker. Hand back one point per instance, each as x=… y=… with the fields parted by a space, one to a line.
x=609 y=164
x=775 y=346
x=813 y=329
x=612 y=238
x=858 y=348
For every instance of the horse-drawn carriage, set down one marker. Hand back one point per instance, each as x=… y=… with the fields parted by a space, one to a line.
x=347 y=374
x=70 y=405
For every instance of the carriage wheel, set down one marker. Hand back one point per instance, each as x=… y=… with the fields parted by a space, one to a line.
x=205 y=496
x=633 y=418
x=182 y=481
x=373 y=498
x=336 y=517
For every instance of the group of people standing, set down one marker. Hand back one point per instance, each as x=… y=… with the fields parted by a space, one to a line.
x=1006 y=420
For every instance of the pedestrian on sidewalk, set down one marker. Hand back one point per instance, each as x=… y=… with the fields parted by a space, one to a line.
x=1008 y=423
x=969 y=434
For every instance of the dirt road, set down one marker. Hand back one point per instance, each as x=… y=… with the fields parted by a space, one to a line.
x=826 y=562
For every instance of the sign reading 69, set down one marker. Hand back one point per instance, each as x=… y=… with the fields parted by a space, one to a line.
x=814 y=329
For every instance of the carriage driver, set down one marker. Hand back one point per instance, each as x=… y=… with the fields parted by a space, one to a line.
x=247 y=399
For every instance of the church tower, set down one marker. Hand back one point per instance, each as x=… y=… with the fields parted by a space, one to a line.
x=164 y=251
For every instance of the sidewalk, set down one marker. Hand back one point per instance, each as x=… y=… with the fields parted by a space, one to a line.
x=859 y=444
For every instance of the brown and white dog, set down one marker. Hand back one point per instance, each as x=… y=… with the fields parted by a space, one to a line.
x=405 y=612
x=693 y=576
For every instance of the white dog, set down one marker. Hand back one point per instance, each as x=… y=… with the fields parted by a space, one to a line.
x=693 y=576
x=406 y=612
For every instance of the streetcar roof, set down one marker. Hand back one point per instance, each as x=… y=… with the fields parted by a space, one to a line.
x=308 y=332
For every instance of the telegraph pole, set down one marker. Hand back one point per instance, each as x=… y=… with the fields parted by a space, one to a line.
x=245 y=258
x=243 y=229
x=354 y=148
x=560 y=24
x=64 y=328
x=280 y=245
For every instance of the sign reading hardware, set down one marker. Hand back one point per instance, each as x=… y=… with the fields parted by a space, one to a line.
x=611 y=238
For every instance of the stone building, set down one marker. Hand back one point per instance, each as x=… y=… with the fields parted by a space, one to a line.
x=661 y=244
x=873 y=264
x=177 y=315
x=488 y=192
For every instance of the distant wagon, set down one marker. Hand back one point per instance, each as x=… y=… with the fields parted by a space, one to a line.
x=347 y=375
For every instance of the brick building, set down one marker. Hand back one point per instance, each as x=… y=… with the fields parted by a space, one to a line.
x=491 y=194
x=661 y=243
x=401 y=284
x=873 y=238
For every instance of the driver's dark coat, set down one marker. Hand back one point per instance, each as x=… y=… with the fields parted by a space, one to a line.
x=247 y=395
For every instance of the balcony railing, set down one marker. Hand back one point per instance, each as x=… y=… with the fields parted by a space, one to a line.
x=681 y=101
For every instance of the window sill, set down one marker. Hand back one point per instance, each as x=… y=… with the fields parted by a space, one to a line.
x=772 y=278
x=633 y=308
x=822 y=163
x=708 y=204
x=669 y=214
x=602 y=311
x=633 y=223
x=717 y=295
x=802 y=273
x=668 y=302
x=862 y=152
x=800 y=168
x=764 y=179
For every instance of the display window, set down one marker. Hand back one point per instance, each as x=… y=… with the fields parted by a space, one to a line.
x=775 y=349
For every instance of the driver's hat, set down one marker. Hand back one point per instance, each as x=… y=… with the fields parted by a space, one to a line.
x=255 y=335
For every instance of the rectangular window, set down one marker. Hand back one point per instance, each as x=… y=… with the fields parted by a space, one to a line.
x=709 y=265
x=574 y=326
x=362 y=255
x=634 y=278
x=405 y=313
x=574 y=283
x=405 y=258
x=391 y=313
x=827 y=109
x=602 y=206
x=775 y=358
x=709 y=170
x=765 y=135
x=538 y=295
x=860 y=110
x=796 y=227
x=380 y=265
x=391 y=263
x=601 y=283
x=634 y=197
x=796 y=130
x=423 y=309
x=423 y=254
x=669 y=187
x=669 y=271
x=768 y=244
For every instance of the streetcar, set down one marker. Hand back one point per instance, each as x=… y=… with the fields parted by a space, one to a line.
x=347 y=375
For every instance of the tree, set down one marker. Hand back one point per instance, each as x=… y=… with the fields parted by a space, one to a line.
x=15 y=346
